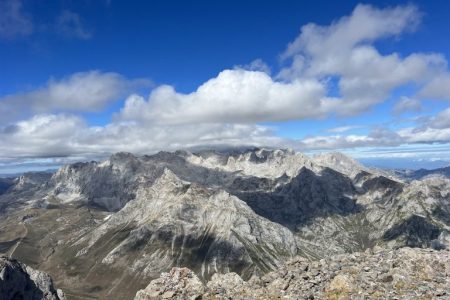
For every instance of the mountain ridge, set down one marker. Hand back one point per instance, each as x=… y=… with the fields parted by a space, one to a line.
x=244 y=211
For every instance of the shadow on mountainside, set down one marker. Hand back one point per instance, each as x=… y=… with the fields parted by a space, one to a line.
x=301 y=200
x=416 y=231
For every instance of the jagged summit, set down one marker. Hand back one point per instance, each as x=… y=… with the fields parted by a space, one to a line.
x=339 y=162
x=257 y=162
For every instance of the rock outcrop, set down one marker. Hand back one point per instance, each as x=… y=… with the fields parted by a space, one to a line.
x=19 y=281
x=406 y=273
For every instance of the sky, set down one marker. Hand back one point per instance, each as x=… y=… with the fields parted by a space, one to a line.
x=80 y=80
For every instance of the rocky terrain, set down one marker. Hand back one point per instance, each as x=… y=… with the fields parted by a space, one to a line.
x=19 y=281
x=105 y=229
x=405 y=273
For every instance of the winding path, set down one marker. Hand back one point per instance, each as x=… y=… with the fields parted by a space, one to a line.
x=20 y=241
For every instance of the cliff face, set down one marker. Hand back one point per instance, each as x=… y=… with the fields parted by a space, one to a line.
x=107 y=228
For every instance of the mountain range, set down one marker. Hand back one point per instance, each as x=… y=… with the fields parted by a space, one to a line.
x=105 y=229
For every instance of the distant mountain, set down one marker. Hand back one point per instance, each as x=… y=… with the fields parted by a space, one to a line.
x=5 y=184
x=422 y=173
x=105 y=229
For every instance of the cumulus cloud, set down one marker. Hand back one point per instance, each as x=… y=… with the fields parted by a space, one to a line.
x=41 y=136
x=248 y=94
x=63 y=135
x=81 y=92
x=406 y=104
x=256 y=65
x=234 y=96
x=68 y=138
x=344 y=50
x=441 y=120
x=425 y=135
x=70 y=24
x=438 y=88
x=365 y=24
x=14 y=22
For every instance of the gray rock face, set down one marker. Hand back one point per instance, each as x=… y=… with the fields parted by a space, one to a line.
x=31 y=181
x=406 y=273
x=18 y=281
x=176 y=222
x=179 y=283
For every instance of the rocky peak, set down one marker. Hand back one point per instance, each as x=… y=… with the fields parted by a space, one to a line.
x=123 y=162
x=255 y=162
x=31 y=180
x=339 y=162
x=19 y=281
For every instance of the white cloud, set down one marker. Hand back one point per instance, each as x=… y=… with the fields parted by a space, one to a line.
x=41 y=136
x=334 y=142
x=405 y=105
x=70 y=138
x=343 y=50
x=70 y=24
x=14 y=22
x=434 y=130
x=378 y=137
x=256 y=65
x=425 y=135
x=366 y=24
x=438 y=88
x=342 y=129
x=80 y=92
x=441 y=120
x=62 y=135
x=234 y=96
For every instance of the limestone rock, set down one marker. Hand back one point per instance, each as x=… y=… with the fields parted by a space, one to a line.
x=406 y=273
x=179 y=283
x=18 y=281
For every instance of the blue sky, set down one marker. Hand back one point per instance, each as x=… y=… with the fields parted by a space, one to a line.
x=83 y=79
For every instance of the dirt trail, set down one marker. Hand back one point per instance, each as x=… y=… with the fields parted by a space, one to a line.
x=19 y=241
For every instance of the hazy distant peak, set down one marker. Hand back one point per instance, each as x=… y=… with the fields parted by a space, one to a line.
x=339 y=162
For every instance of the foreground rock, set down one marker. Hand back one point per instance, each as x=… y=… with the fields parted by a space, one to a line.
x=179 y=282
x=18 y=281
x=406 y=273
